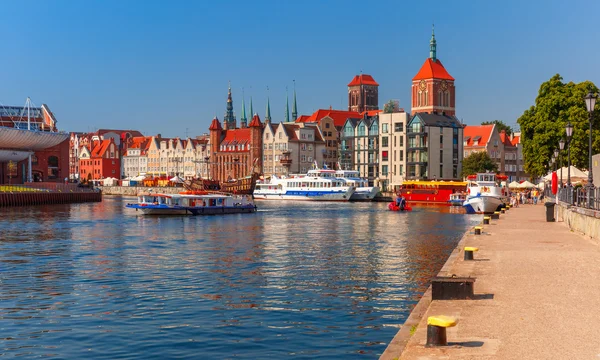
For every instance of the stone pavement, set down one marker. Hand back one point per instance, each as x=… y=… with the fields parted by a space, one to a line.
x=537 y=295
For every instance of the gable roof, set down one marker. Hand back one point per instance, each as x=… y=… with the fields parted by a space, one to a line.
x=433 y=70
x=236 y=137
x=290 y=130
x=101 y=148
x=505 y=139
x=516 y=140
x=363 y=79
x=437 y=120
x=339 y=116
x=483 y=133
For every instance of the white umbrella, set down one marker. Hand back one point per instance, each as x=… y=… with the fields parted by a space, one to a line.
x=526 y=185
x=513 y=185
x=176 y=179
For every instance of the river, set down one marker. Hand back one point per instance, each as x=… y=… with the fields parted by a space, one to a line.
x=296 y=279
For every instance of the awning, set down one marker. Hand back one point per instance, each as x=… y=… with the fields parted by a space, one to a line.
x=11 y=138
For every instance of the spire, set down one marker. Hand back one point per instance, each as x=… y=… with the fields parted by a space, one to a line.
x=229 y=119
x=268 y=116
x=287 y=106
x=432 y=44
x=294 y=106
x=251 y=110
x=243 y=119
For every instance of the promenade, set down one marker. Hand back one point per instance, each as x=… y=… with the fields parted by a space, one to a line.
x=537 y=295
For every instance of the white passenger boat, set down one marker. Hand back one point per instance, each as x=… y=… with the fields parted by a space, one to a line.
x=316 y=185
x=192 y=204
x=484 y=194
x=362 y=190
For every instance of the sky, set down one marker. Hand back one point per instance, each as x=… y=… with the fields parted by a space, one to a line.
x=164 y=66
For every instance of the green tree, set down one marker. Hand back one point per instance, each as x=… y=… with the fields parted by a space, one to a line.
x=477 y=162
x=543 y=125
x=500 y=125
x=391 y=106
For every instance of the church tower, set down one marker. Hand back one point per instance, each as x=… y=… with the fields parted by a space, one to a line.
x=229 y=122
x=363 y=93
x=433 y=88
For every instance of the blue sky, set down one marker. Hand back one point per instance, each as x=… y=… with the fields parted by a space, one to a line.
x=163 y=66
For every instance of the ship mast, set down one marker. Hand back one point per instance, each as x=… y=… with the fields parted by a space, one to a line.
x=28 y=104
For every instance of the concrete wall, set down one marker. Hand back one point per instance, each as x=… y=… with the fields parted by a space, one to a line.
x=581 y=220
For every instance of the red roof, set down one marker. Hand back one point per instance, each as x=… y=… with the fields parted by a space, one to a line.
x=290 y=130
x=370 y=113
x=339 y=116
x=236 y=137
x=484 y=132
x=363 y=79
x=100 y=149
x=302 y=118
x=215 y=124
x=255 y=121
x=433 y=70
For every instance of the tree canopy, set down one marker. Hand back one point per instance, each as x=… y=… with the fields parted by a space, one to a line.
x=477 y=162
x=391 y=106
x=543 y=125
x=500 y=125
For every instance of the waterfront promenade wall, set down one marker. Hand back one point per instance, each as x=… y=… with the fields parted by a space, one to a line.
x=46 y=194
x=535 y=294
x=584 y=221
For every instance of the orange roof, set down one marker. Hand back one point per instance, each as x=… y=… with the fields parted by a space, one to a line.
x=505 y=139
x=302 y=118
x=484 y=132
x=363 y=79
x=433 y=70
x=339 y=116
x=516 y=140
x=101 y=148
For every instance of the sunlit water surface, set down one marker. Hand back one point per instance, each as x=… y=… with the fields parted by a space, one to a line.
x=296 y=279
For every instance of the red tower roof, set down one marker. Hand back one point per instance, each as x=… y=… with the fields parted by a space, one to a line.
x=363 y=79
x=433 y=70
x=255 y=121
x=215 y=125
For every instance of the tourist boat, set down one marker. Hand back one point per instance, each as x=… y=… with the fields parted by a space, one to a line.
x=362 y=190
x=316 y=185
x=426 y=191
x=457 y=199
x=394 y=207
x=192 y=203
x=485 y=193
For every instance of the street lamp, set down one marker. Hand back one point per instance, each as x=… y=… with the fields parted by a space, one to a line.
x=590 y=103
x=561 y=145
x=569 y=131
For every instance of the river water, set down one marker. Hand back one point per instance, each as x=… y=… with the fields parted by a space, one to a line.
x=296 y=279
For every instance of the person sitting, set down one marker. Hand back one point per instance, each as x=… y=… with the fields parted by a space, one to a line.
x=402 y=203
x=398 y=200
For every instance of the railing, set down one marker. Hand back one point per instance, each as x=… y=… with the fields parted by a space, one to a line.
x=583 y=197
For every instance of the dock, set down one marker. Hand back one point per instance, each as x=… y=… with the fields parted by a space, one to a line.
x=46 y=194
x=536 y=295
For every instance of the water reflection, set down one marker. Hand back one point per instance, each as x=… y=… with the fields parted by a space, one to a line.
x=304 y=279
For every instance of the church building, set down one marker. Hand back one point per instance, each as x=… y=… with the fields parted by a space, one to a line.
x=234 y=151
x=434 y=134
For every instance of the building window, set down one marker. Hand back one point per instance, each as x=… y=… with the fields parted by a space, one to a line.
x=441 y=138
x=384 y=155
x=384 y=128
x=441 y=155
x=267 y=136
x=401 y=155
x=327 y=125
x=384 y=141
x=384 y=170
x=399 y=127
x=361 y=130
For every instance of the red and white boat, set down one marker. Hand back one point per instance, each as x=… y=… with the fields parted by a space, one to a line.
x=426 y=191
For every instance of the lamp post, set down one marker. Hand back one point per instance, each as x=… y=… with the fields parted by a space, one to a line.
x=561 y=145
x=590 y=103
x=569 y=131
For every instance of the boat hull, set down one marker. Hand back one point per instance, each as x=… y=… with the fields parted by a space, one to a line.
x=394 y=207
x=191 y=210
x=304 y=196
x=364 y=193
x=482 y=204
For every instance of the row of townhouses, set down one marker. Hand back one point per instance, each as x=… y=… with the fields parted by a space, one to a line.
x=385 y=147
